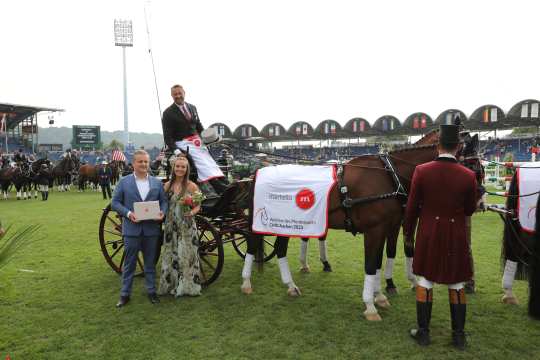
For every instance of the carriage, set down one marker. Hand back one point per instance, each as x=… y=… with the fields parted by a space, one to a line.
x=222 y=219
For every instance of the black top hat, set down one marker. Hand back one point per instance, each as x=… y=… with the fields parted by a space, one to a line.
x=449 y=135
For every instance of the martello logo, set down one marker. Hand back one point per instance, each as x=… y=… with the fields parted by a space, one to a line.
x=305 y=199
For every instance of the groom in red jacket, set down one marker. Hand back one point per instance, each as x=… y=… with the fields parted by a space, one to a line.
x=443 y=194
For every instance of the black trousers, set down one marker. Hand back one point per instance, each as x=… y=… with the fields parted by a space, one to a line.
x=106 y=190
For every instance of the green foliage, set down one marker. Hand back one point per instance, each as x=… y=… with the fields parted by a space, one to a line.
x=12 y=241
x=64 y=309
x=115 y=144
x=524 y=130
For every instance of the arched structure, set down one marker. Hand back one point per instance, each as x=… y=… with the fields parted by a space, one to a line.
x=418 y=123
x=246 y=132
x=223 y=130
x=357 y=127
x=274 y=131
x=447 y=117
x=387 y=124
x=525 y=113
x=328 y=129
x=301 y=129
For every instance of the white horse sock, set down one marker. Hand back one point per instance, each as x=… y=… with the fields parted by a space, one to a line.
x=389 y=268
x=303 y=253
x=248 y=265
x=285 y=272
x=510 y=269
x=409 y=270
x=369 y=288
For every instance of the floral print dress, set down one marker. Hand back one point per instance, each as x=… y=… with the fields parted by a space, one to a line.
x=180 y=268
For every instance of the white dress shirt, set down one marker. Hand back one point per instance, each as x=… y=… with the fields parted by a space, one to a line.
x=143 y=185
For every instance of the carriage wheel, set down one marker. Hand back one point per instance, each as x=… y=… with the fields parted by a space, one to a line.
x=112 y=244
x=210 y=251
x=239 y=241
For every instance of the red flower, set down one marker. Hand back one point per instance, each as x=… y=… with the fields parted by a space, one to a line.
x=188 y=200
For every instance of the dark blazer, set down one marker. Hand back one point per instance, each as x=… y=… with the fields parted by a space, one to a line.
x=126 y=193
x=176 y=127
x=442 y=194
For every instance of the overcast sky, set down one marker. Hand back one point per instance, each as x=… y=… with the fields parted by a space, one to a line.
x=263 y=61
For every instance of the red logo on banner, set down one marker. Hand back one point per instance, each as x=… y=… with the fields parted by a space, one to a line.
x=197 y=142
x=305 y=199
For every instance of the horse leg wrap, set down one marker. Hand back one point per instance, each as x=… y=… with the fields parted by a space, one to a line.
x=510 y=269
x=285 y=272
x=248 y=265
x=322 y=251
x=369 y=289
x=303 y=255
x=389 y=268
x=409 y=270
x=380 y=298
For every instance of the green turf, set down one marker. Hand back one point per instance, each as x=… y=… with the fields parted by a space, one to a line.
x=64 y=309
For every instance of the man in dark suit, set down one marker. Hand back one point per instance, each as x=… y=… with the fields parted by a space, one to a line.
x=181 y=121
x=104 y=177
x=139 y=235
x=443 y=193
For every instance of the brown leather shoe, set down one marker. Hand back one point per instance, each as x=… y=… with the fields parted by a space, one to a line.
x=122 y=302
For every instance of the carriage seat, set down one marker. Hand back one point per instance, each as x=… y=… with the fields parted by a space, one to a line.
x=216 y=205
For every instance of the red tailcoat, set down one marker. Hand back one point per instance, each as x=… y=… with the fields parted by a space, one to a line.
x=442 y=194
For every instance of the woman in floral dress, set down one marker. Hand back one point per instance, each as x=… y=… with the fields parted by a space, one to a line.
x=180 y=269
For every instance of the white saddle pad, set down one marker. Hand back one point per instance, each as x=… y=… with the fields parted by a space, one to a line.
x=207 y=169
x=528 y=182
x=292 y=200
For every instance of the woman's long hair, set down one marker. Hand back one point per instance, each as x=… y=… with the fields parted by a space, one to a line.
x=185 y=180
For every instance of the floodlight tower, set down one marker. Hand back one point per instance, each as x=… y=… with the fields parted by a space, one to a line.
x=123 y=36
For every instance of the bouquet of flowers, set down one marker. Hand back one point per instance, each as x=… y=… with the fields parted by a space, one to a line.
x=190 y=201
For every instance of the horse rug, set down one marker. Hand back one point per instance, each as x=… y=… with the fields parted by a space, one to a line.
x=207 y=169
x=292 y=200
x=528 y=183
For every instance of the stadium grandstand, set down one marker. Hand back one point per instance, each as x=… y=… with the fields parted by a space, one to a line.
x=330 y=141
x=19 y=127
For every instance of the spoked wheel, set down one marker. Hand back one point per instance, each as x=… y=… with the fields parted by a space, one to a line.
x=210 y=251
x=239 y=242
x=112 y=243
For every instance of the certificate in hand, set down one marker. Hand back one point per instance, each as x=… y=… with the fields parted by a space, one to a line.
x=146 y=210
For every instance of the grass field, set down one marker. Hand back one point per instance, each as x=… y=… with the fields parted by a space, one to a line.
x=64 y=308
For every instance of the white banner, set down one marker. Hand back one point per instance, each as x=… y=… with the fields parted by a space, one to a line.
x=207 y=168
x=528 y=182
x=292 y=200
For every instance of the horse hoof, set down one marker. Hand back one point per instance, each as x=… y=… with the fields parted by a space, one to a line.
x=294 y=292
x=391 y=291
x=247 y=290
x=305 y=269
x=372 y=317
x=383 y=304
x=510 y=300
x=327 y=267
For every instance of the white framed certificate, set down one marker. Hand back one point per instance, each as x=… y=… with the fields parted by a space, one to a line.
x=146 y=210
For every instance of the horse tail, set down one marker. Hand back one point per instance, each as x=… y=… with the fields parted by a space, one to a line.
x=534 y=279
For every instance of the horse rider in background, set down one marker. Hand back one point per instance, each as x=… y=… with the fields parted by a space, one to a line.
x=43 y=177
x=104 y=177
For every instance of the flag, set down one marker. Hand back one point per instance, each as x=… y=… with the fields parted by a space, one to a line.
x=486 y=115
x=524 y=110
x=423 y=122
x=534 y=110
x=270 y=131
x=117 y=155
x=385 y=125
x=326 y=128
x=298 y=130
x=333 y=129
x=362 y=126
x=493 y=114
x=305 y=129
x=416 y=125
x=276 y=130
x=355 y=126
x=243 y=131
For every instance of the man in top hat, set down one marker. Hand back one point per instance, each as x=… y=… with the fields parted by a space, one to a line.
x=442 y=195
x=104 y=177
x=182 y=129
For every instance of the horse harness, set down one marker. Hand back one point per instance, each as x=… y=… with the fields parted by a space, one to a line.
x=347 y=202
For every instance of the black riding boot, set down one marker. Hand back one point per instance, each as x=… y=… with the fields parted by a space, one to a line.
x=458 y=311
x=424 y=303
x=43 y=196
x=46 y=195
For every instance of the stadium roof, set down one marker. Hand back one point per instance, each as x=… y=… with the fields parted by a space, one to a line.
x=17 y=113
x=484 y=118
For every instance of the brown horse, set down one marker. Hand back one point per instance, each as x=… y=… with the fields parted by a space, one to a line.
x=376 y=191
x=63 y=171
x=88 y=173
